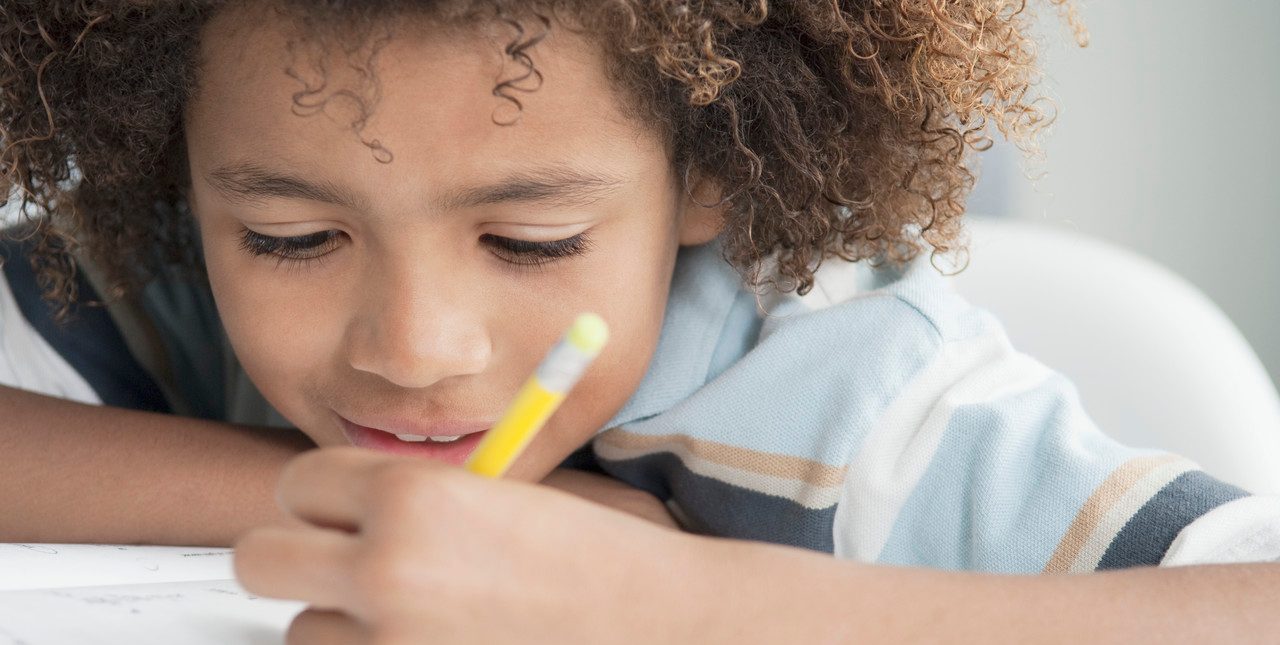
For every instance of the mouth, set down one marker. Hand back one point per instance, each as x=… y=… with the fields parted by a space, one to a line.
x=450 y=443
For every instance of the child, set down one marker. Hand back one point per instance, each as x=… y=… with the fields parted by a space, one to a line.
x=399 y=208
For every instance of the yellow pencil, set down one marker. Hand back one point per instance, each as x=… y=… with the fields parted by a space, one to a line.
x=540 y=396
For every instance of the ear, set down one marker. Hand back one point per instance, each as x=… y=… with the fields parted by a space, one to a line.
x=702 y=216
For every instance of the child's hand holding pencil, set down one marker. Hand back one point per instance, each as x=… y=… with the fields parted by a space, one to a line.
x=400 y=549
x=540 y=396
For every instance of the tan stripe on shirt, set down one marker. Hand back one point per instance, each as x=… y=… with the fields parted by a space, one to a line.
x=1099 y=505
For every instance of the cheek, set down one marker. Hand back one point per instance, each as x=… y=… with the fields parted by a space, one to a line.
x=613 y=378
x=278 y=330
x=633 y=302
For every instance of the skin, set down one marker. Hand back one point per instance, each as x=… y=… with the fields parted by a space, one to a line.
x=412 y=315
x=498 y=572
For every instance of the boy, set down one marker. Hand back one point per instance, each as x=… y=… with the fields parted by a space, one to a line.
x=392 y=237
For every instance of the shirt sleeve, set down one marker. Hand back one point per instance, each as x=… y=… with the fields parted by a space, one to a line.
x=1244 y=530
x=987 y=461
x=83 y=359
x=27 y=361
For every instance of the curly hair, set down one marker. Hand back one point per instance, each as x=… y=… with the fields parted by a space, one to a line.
x=835 y=128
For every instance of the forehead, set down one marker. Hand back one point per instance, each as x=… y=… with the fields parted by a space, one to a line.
x=267 y=91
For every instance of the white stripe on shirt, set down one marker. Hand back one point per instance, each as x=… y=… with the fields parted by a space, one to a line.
x=28 y=362
x=1243 y=530
x=886 y=470
x=1123 y=509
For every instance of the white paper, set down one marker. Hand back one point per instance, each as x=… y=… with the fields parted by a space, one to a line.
x=41 y=566
x=217 y=612
x=89 y=594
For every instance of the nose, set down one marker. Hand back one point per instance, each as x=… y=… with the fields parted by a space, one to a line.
x=416 y=327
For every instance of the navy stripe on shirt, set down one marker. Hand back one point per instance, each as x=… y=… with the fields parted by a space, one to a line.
x=714 y=507
x=1150 y=532
x=89 y=340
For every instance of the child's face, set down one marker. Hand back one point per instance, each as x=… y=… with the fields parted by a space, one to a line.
x=423 y=314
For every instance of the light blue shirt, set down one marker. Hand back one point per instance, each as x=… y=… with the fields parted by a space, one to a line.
x=883 y=418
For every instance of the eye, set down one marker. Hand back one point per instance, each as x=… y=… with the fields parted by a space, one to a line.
x=524 y=252
x=297 y=248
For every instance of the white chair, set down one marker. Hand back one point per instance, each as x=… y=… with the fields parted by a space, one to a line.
x=1156 y=362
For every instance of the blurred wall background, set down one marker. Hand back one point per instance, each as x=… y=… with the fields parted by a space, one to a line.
x=1166 y=142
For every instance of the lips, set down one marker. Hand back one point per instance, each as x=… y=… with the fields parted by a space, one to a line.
x=384 y=440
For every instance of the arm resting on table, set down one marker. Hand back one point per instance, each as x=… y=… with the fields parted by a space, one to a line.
x=71 y=472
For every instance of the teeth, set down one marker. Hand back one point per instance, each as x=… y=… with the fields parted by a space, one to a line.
x=418 y=437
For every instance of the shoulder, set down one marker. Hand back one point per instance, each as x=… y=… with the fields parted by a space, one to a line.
x=158 y=350
x=916 y=295
x=83 y=358
x=887 y=328
x=27 y=360
x=769 y=399
x=810 y=377
x=859 y=338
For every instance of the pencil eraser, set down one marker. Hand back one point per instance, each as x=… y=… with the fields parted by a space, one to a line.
x=589 y=333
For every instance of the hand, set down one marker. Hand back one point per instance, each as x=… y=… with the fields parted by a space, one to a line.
x=398 y=550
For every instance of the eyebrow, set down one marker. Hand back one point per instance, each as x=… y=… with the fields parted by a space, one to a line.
x=558 y=185
x=247 y=182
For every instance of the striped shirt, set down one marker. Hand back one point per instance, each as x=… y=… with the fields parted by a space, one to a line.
x=883 y=418
x=162 y=351
x=880 y=417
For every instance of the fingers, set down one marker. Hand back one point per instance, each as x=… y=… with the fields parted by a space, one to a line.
x=310 y=564
x=322 y=627
x=327 y=487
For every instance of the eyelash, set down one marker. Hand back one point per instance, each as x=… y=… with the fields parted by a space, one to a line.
x=304 y=249
x=536 y=254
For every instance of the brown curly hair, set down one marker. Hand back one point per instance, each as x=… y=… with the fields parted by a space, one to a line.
x=834 y=127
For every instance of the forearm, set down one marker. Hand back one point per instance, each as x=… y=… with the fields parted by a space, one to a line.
x=78 y=473
x=762 y=593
